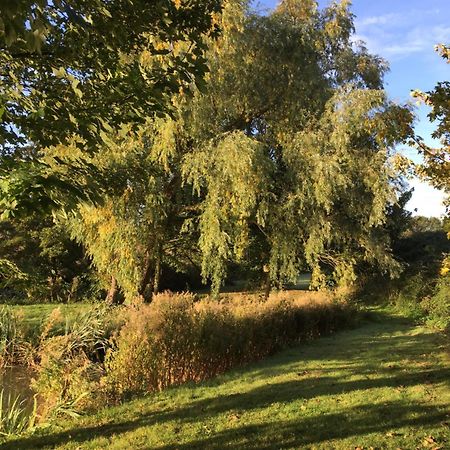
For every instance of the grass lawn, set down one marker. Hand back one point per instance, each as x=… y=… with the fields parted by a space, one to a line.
x=383 y=385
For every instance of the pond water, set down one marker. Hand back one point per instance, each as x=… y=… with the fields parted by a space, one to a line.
x=15 y=381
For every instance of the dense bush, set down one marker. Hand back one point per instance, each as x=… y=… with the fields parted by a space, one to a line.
x=437 y=306
x=422 y=296
x=177 y=338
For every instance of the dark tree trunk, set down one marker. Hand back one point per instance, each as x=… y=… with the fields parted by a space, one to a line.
x=148 y=276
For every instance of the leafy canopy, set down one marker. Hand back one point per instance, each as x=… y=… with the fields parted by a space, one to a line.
x=76 y=71
x=281 y=162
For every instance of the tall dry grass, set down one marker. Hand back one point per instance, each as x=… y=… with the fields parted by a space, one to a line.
x=179 y=338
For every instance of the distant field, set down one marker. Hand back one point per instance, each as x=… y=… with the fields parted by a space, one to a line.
x=384 y=385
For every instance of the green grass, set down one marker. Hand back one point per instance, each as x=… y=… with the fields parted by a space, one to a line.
x=34 y=315
x=384 y=385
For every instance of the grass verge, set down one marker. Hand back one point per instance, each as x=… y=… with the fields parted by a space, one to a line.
x=383 y=385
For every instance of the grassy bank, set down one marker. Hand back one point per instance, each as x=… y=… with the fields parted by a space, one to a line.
x=85 y=360
x=383 y=385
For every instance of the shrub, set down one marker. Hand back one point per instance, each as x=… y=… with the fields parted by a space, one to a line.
x=70 y=364
x=423 y=296
x=437 y=306
x=175 y=339
x=408 y=297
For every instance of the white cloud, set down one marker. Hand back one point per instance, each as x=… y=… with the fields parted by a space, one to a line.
x=396 y=36
x=418 y=39
x=426 y=200
x=377 y=20
x=397 y=19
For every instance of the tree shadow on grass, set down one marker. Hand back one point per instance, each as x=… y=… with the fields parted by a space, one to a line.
x=364 y=419
x=363 y=351
x=351 y=422
x=355 y=422
x=369 y=352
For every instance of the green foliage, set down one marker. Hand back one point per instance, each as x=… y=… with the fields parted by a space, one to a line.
x=420 y=224
x=437 y=306
x=411 y=292
x=30 y=186
x=423 y=298
x=69 y=67
x=436 y=166
x=14 y=418
x=41 y=263
x=81 y=69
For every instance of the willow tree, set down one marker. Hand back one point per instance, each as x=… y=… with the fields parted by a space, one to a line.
x=138 y=226
x=282 y=157
x=291 y=145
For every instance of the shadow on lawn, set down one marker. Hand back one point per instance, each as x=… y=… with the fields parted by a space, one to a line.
x=304 y=431
x=369 y=349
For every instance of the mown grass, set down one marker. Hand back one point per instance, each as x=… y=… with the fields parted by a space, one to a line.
x=384 y=385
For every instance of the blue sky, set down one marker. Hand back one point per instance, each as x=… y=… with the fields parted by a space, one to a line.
x=404 y=32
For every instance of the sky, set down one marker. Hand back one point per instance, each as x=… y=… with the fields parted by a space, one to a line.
x=404 y=32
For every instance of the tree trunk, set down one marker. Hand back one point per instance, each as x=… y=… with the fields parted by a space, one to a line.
x=112 y=293
x=157 y=275
x=148 y=275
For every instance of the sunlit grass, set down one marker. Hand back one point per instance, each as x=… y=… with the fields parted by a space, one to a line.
x=383 y=385
x=15 y=419
x=34 y=315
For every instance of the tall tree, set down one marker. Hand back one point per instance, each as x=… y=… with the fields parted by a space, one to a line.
x=293 y=137
x=85 y=68
x=284 y=155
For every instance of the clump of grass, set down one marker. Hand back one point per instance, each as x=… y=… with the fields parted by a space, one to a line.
x=69 y=367
x=14 y=418
x=11 y=341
